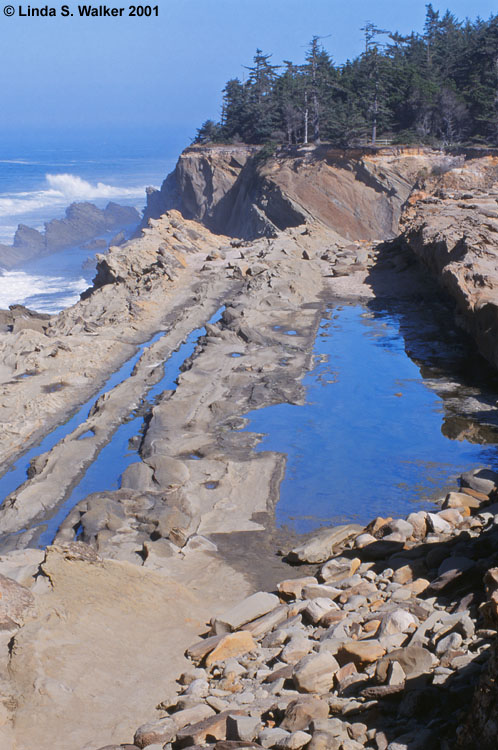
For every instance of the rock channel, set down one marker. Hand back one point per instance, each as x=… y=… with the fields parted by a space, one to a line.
x=366 y=651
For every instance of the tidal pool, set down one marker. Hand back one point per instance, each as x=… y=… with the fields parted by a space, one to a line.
x=381 y=433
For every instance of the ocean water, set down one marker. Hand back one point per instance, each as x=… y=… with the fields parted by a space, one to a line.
x=41 y=174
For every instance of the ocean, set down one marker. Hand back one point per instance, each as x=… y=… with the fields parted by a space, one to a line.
x=41 y=174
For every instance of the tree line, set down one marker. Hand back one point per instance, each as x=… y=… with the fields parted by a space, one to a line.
x=437 y=88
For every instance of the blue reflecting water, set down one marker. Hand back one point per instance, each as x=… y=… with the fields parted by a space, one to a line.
x=369 y=440
x=106 y=471
x=17 y=473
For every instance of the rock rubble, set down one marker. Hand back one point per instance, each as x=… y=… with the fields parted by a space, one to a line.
x=380 y=649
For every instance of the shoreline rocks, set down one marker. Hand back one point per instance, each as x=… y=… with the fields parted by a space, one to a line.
x=395 y=671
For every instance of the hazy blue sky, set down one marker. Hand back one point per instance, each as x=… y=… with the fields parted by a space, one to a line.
x=129 y=73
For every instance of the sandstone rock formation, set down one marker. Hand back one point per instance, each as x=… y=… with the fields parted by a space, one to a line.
x=152 y=560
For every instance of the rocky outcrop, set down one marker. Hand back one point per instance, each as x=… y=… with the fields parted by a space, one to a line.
x=336 y=638
x=243 y=192
x=82 y=222
x=379 y=648
x=451 y=224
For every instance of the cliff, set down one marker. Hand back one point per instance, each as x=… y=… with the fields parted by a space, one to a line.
x=451 y=224
x=237 y=190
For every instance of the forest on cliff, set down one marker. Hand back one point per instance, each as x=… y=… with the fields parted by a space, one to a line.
x=436 y=88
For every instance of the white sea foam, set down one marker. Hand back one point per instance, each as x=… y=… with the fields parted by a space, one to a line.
x=18 y=287
x=61 y=190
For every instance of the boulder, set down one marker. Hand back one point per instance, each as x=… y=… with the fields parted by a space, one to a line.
x=249 y=609
x=233 y=644
x=482 y=480
x=315 y=673
x=321 y=546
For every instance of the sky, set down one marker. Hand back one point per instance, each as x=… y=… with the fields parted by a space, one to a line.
x=166 y=72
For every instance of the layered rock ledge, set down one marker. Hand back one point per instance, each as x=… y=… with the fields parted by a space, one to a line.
x=149 y=567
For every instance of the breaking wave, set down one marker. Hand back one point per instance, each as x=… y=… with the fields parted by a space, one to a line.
x=62 y=189
x=41 y=293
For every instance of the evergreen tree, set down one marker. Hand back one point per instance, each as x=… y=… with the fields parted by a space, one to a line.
x=437 y=87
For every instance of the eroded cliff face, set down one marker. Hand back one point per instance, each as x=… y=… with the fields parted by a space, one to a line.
x=451 y=224
x=236 y=190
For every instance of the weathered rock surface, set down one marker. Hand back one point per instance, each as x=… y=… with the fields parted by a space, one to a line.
x=379 y=624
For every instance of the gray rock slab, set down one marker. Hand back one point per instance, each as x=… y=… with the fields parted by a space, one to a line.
x=250 y=609
x=320 y=547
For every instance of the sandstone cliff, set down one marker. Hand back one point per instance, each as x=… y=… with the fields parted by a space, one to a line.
x=451 y=224
x=239 y=191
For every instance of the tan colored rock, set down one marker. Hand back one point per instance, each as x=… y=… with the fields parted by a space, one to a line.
x=300 y=712
x=452 y=515
x=165 y=730
x=15 y=601
x=417 y=586
x=377 y=523
x=403 y=575
x=360 y=652
x=371 y=626
x=295 y=741
x=249 y=609
x=214 y=727
x=315 y=673
x=293 y=587
x=200 y=649
x=233 y=644
x=298 y=646
x=460 y=500
x=332 y=617
x=137 y=622
x=339 y=568
x=322 y=545
x=346 y=671
x=397 y=621
x=419 y=522
x=258 y=628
